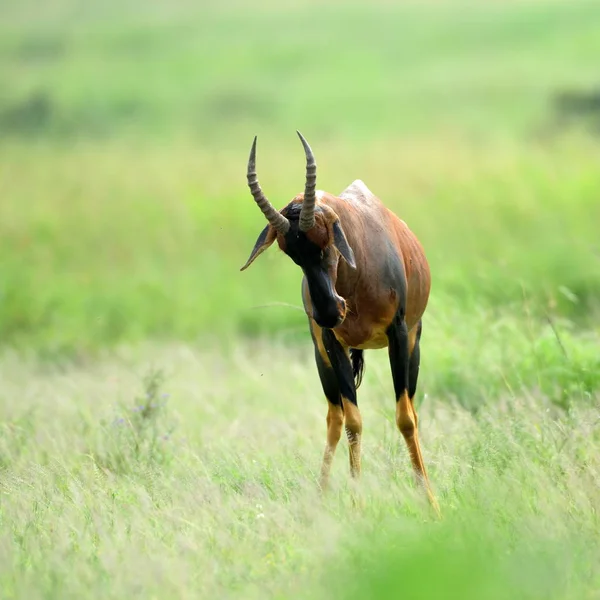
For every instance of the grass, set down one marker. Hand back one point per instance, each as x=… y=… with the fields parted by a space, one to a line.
x=124 y=138
x=347 y=69
x=199 y=479
x=114 y=254
x=161 y=419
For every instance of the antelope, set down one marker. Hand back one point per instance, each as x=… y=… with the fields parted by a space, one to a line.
x=365 y=285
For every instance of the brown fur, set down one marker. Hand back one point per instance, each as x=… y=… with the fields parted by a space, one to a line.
x=391 y=277
x=371 y=303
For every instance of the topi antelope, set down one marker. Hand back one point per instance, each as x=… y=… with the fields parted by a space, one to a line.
x=366 y=285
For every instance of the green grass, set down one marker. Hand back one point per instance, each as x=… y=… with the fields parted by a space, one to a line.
x=115 y=253
x=347 y=69
x=202 y=482
x=161 y=418
x=118 y=226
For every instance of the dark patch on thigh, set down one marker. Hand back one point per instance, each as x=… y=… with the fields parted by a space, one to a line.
x=393 y=276
x=397 y=334
x=414 y=363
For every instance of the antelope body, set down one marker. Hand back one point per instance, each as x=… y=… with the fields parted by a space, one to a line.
x=366 y=285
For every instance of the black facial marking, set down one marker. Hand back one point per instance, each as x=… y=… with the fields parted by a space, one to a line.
x=325 y=301
x=297 y=246
x=314 y=263
x=301 y=250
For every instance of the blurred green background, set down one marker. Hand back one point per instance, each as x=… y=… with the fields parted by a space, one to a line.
x=125 y=129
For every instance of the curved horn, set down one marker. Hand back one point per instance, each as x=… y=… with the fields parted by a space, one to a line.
x=275 y=218
x=307 y=212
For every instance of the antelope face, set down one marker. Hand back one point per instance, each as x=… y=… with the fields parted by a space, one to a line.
x=317 y=252
x=311 y=235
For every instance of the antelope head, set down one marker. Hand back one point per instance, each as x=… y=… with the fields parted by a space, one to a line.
x=311 y=234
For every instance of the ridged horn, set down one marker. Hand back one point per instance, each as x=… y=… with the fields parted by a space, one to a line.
x=275 y=218
x=307 y=212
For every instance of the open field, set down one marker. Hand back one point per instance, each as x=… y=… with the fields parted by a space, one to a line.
x=207 y=486
x=161 y=418
x=115 y=232
x=136 y=226
x=114 y=254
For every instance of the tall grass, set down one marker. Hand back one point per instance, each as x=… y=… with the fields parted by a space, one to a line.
x=125 y=131
x=203 y=482
x=98 y=247
x=160 y=434
x=348 y=70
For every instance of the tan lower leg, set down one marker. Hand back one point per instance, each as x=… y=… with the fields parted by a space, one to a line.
x=354 y=433
x=406 y=420
x=335 y=420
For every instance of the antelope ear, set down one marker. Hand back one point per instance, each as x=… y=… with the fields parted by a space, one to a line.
x=341 y=243
x=265 y=239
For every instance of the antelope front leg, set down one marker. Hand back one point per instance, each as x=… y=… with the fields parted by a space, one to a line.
x=335 y=420
x=353 y=433
x=335 y=412
x=337 y=380
x=342 y=367
x=404 y=355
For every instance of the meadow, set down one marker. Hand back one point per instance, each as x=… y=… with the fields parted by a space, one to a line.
x=161 y=417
